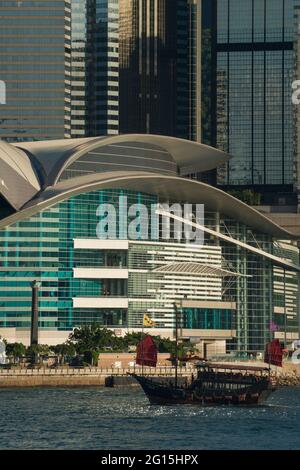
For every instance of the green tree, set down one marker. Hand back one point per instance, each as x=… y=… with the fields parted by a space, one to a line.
x=92 y=337
x=16 y=350
x=89 y=340
x=37 y=351
x=132 y=339
x=91 y=357
x=63 y=351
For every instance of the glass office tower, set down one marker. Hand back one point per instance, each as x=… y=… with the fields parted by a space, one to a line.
x=254 y=111
x=59 y=62
x=83 y=68
x=159 y=84
x=32 y=66
x=92 y=68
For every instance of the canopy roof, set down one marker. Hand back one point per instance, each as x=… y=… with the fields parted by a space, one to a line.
x=18 y=178
x=194 y=269
x=38 y=175
x=57 y=156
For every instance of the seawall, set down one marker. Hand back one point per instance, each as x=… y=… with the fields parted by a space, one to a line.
x=71 y=377
x=289 y=375
x=48 y=381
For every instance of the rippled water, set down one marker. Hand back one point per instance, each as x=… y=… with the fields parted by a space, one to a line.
x=99 y=418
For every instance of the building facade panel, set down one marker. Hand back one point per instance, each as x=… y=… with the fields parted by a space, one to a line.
x=254 y=111
x=32 y=66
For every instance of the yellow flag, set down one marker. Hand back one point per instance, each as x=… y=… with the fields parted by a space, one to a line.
x=147 y=321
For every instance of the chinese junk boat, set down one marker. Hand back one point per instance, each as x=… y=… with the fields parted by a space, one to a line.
x=214 y=384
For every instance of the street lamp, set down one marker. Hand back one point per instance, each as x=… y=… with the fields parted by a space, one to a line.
x=177 y=314
x=176 y=342
x=35 y=286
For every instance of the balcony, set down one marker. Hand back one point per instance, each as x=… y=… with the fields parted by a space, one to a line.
x=100 y=302
x=108 y=272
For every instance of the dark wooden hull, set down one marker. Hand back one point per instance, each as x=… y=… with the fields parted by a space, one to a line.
x=195 y=394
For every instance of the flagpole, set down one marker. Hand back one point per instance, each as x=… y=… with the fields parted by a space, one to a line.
x=143 y=347
x=176 y=344
x=148 y=323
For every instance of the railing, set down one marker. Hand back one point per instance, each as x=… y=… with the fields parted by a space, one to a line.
x=73 y=371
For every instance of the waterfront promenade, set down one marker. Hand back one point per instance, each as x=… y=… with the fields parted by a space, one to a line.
x=78 y=377
x=289 y=375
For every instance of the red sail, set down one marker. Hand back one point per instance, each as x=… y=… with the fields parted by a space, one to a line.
x=273 y=353
x=146 y=353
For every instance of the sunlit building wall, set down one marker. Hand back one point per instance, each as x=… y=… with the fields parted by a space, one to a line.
x=92 y=68
x=32 y=66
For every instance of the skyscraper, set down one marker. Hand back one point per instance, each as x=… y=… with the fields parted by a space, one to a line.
x=59 y=63
x=83 y=68
x=254 y=111
x=92 y=68
x=32 y=67
x=159 y=83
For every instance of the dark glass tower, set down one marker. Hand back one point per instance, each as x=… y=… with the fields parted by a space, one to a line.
x=159 y=84
x=254 y=111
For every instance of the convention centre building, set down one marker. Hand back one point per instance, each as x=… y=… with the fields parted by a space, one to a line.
x=115 y=227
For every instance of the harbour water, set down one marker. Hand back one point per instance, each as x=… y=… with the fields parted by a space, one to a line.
x=99 y=418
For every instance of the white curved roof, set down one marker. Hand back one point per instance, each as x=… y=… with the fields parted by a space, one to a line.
x=51 y=160
x=18 y=178
x=56 y=156
x=167 y=188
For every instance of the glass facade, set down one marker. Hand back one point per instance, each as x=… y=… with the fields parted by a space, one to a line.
x=32 y=65
x=158 y=67
x=42 y=248
x=92 y=68
x=208 y=319
x=255 y=69
x=85 y=68
x=286 y=291
x=208 y=76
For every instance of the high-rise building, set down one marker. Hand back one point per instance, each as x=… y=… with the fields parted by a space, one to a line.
x=159 y=83
x=32 y=67
x=133 y=66
x=84 y=68
x=254 y=110
x=92 y=68
x=59 y=63
x=207 y=72
x=296 y=106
